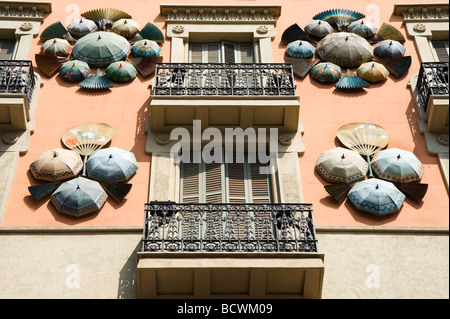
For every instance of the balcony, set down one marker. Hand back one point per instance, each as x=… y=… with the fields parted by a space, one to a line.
x=17 y=77
x=432 y=80
x=229 y=251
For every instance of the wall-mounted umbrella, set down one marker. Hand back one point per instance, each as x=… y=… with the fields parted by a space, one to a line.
x=389 y=49
x=101 y=48
x=145 y=48
x=388 y=32
x=81 y=27
x=74 y=71
x=376 y=197
x=300 y=49
x=56 y=47
x=149 y=32
x=345 y=49
x=121 y=71
x=339 y=18
x=363 y=28
x=78 y=197
x=56 y=165
x=397 y=165
x=351 y=81
x=125 y=27
x=105 y=16
x=372 y=72
x=98 y=81
x=318 y=28
x=326 y=72
x=56 y=30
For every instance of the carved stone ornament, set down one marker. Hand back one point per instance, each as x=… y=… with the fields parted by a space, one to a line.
x=178 y=29
x=163 y=139
x=26 y=26
x=262 y=29
x=10 y=138
x=285 y=139
x=419 y=27
x=443 y=139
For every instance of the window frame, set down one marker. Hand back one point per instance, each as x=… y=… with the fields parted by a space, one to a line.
x=221 y=56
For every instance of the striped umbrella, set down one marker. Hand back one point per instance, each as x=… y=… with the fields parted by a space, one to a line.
x=363 y=28
x=56 y=47
x=145 y=48
x=326 y=72
x=74 y=71
x=397 y=165
x=300 y=49
x=56 y=165
x=82 y=27
x=121 y=71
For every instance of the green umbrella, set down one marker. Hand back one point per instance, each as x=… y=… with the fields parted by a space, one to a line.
x=121 y=71
x=74 y=71
x=101 y=48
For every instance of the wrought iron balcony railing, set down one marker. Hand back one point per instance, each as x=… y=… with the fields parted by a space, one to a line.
x=173 y=227
x=17 y=77
x=207 y=79
x=433 y=80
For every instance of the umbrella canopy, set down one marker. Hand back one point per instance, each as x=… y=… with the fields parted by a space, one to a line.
x=397 y=165
x=82 y=27
x=342 y=165
x=121 y=71
x=389 y=49
x=101 y=48
x=363 y=28
x=345 y=49
x=376 y=196
x=74 y=71
x=300 y=49
x=372 y=72
x=125 y=27
x=145 y=48
x=79 y=196
x=326 y=72
x=111 y=165
x=56 y=165
x=318 y=28
x=56 y=47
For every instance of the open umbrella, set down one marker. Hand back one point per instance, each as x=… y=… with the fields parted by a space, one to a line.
x=341 y=165
x=376 y=196
x=389 y=49
x=56 y=165
x=125 y=27
x=111 y=165
x=372 y=72
x=363 y=28
x=79 y=196
x=81 y=27
x=101 y=48
x=74 y=71
x=300 y=49
x=56 y=47
x=318 y=28
x=397 y=165
x=121 y=71
x=326 y=72
x=345 y=49
x=145 y=48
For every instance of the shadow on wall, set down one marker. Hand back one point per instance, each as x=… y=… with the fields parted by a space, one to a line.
x=127 y=288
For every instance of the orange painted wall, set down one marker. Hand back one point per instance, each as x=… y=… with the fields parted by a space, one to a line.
x=323 y=111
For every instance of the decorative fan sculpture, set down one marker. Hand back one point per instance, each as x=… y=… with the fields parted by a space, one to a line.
x=340 y=18
x=100 y=38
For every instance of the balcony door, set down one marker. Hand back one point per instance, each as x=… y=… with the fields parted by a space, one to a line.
x=221 y=52
x=7 y=49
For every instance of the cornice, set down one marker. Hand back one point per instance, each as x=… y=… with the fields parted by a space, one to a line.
x=194 y=13
x=423 y=12
x=24 y=10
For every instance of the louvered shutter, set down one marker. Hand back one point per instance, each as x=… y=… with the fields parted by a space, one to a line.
x=441 y=49
x=190 y=183
x=228 y=52
x=213 y=53
x=246 y=53
x=214 y=183
x=7 y=49
x=196 y=53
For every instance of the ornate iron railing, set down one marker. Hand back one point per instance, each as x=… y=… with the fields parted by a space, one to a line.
x=433 y=80
x=268 y=79
x=173 y=227
x=17 y=77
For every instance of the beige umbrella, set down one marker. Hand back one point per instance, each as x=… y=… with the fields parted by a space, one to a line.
x=125 y=27
x=56 y=165
x=372 y=72
x=345 y=49
x=341 y=165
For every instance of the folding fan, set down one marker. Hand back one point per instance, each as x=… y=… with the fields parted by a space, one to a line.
x=338 y=191
x=56 y=30
x=294 y=32
x=351 y=81
x=40 y=191
x=301 y=67
x=48 y=64
x=145 y=66
x=149 y=32
x=397 y=66
x=99 y=81
x=340 y=18
x=415 y=190
x=118 y=191
x=387 y=32
x=104 y=17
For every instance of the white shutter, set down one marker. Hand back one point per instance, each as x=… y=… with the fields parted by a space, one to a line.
x=441 y=50
x=7 y=49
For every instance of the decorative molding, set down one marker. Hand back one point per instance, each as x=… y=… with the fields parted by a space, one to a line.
x=419 y=27
x=262 y=29
x=163 y=139
x=423 y=12
x=178 y=29
x=26 y=26
x=30 y=10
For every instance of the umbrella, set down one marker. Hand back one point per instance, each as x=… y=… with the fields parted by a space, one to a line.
x=145 y=48
x=326 y=72
x=56 y=165
x=345 y=49
x=74 y=71
x=101 y=48
x=372 y=72
x=121 y=71
x=111 y=165
x=389 y=49
x=376 y=196
x=342 y=165
x=82 y=27
x=318 y=28
x=397 y=165
x=125 y=27
x=364 y=28
x=79 y=196
x=56 y=47
x=300 y=49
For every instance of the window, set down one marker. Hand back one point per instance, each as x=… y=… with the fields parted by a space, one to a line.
x=440 y=49
x=223 y=52
x=7 y=49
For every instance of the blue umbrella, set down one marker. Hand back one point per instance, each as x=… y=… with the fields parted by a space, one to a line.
x=389 y=49
x=300 y=49
x=363 y=28
x=111 y=165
